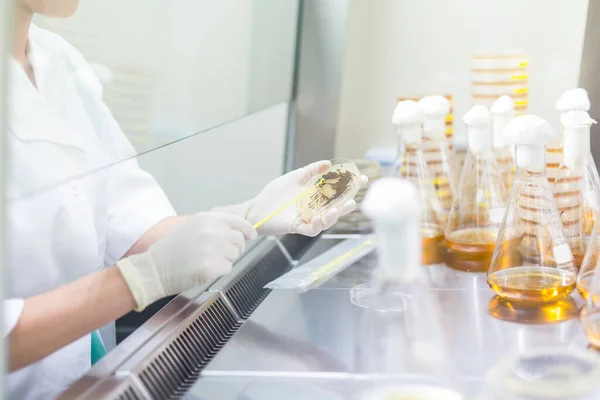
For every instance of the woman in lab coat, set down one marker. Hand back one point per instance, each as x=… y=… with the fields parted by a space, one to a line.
x=83 y=253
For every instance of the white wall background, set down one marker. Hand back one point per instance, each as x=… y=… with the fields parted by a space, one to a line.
x=412 y=48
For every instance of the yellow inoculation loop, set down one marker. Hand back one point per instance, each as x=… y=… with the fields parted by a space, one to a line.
x=319 y=184
x=521 y=90
x=333 y=264
x=519 y=77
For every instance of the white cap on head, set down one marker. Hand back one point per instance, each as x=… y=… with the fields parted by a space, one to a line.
x=530 y=134
x=479 y=134
x=573 y=100
x=391 y=199
x=435 y=108
x=503 y=110
x=408 y=118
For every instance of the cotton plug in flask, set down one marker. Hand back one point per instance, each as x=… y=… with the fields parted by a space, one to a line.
x=401 y=344
x=411 y=165
x=532 y=262
x=435 y=148
x=577 y=185
x=479 y=203
x=503 y=110
x=571 y=100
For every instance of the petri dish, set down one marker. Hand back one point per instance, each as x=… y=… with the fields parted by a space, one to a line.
x=342 y=183
x=546 y=374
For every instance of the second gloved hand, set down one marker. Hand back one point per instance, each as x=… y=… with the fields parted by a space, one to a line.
x=194 y=254
x=283 y=190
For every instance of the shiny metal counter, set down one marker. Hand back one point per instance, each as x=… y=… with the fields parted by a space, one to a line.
x=301 y=345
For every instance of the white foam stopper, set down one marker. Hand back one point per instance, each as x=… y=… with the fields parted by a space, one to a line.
x=393 y=205
x=391 y=199
x=576 y=128
x=409 y=119
x=435 y=108
x=572 y=100
x=529 y=134
x=479 y=133
x=503 y=110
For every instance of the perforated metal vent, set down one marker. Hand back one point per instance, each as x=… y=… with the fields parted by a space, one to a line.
x=172 y=371
x=248 y=292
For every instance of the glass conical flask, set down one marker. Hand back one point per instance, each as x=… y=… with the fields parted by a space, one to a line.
x=571 y=100
x=479 y=203
x=435 y=148
x=588 y=283
x=545 y=374
x=577 y=185
x=589 y=265
x=400 y=340
x=532 y=262
x=411 y=165
x=503 y=110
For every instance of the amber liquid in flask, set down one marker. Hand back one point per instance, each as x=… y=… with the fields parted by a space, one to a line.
x=470 y=249
x=414 y=168
x=532 y=263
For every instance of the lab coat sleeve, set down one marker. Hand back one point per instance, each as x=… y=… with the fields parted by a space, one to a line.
x=135 y=200
x=11 y=312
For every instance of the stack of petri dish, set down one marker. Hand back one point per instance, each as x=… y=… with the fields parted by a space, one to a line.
x=356 y=222
x=494 y=75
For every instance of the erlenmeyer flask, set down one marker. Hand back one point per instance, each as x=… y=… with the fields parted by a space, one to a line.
x=479 y=203
x=545 y=374
x=400 y=338
x=571 y=100
x=411 y=165
x=435 y=148
x=503 y=111
x=532 y=262
x=589 y=265
x=577 y=185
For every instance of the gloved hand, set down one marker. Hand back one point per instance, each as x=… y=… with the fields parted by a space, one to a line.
x=281 y=191
x=194 y=254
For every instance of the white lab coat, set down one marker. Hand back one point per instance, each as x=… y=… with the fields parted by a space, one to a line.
x=60 y=234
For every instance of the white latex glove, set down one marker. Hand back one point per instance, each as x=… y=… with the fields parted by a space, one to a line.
x=284 y=189
x=194 y=254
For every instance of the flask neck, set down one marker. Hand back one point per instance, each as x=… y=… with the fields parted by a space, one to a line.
x=399 y=248
x=434 y=127
x=498 y=124
x=576 y=144
x=479 y=139
x=531 y=157
x=410 y=134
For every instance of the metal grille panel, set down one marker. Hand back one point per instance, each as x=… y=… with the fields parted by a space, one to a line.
x=248 y=292
x=130 y=394
x=172 y=371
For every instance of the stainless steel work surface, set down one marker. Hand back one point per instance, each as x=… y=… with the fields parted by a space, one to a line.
x=311 y=337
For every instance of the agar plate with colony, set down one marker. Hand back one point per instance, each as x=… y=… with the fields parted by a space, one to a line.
x=339 y=184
